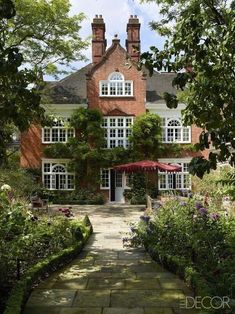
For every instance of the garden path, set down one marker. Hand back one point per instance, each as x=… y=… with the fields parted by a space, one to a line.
x=107 y=278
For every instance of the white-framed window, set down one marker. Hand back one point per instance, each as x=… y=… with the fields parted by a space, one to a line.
x=55 y=175
x=116 y=86
x=177 y=180
x=104 y=179
x=58 y=133
x=117 y=131
x=174 y=132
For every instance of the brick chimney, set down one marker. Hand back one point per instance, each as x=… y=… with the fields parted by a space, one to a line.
x=98 y=38
x=133 y=38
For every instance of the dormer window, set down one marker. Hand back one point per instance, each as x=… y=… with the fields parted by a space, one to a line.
x=116 y=86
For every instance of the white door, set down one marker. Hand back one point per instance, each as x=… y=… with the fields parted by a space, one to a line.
x=119 y=187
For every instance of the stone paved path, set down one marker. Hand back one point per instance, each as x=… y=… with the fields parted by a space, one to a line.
x=107 y=278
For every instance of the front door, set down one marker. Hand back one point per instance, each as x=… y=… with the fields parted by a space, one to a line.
x=119 y=189
x=116 y=186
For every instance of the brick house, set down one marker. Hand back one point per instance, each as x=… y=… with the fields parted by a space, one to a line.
x=121 y=92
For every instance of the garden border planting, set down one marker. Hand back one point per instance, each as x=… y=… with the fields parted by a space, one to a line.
x=22 y=289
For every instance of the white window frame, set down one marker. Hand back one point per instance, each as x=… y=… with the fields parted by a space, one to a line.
x=115 y=80
x=101 y=186
x=166 y=127
x=59 y=127
x=179 y=175
x=52 y=164
x=109 y=127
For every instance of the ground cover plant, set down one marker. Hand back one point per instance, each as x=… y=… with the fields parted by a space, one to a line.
x=188 y=238
x=28 y=237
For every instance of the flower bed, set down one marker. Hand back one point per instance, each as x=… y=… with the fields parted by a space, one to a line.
x=32 y=244
x=193 y=242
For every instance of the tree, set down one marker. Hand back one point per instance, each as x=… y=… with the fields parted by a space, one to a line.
x=200 y=49
x=146 y=136
x=46 y=34
x=19 y=104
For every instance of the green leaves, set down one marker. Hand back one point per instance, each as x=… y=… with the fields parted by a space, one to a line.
x=45 y=33
x=145 y=138
x=200 y=49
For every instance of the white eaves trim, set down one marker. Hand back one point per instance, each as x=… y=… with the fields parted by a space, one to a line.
x=162 y=107
x=62 y=110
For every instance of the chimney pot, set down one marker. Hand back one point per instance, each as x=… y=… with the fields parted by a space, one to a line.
x=96 y=15
x=131 y=16
x=100 y=15
x=136 y=16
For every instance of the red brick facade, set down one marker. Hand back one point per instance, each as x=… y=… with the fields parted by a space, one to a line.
x=105 y=62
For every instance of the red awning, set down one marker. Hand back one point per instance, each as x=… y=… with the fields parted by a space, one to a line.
x=147 y=165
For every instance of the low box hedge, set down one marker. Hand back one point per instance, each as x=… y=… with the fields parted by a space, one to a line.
x=22 y=289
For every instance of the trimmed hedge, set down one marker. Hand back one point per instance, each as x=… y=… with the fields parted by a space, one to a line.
x=180 y=267
x=22 y=289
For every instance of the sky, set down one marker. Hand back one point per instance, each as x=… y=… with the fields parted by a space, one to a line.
x=116 y=14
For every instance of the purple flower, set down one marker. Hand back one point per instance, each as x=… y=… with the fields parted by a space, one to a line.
x=183 y=203
x=198 y=205
x=203 y=211
x=215 y=216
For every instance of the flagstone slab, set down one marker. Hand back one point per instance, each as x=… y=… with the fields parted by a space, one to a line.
x=146 y=298
x=142 y=284
x=106 y=283
x=158 y=310
x=42 y=310
x=93 y=298
x=77 y=310
x=51 y=297
x=121 y=310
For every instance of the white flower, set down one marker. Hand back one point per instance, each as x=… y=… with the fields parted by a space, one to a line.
x=5 y=187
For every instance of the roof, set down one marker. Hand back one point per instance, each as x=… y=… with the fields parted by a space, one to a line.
x=157 y=84
x=69 y=90
x=72 y=89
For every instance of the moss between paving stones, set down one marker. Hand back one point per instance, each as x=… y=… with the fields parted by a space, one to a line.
x=22 y=289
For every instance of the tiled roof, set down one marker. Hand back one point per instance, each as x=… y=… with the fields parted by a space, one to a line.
x=72 y=89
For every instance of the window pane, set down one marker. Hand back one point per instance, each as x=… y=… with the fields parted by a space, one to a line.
x=120 y=132
x=104 y=88
x=62 y=182
x=62 y=135
x=120 y=143
x=112 y=132
x=112 y=122
x=55 y=135
x=118 y=179
x=70 y=181
x=120 y=121
x=185 y=134
x=47 y=181
x=112 y=88
x=105 y=122
x=104 y=178
x=112 y=143
x=70 y=133
x=47 y=137
x=127 y=88
x=128 y=122
x=46 y=167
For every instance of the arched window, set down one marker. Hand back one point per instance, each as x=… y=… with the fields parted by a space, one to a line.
x=56 y=176
x=116 y=86
x=174 y=132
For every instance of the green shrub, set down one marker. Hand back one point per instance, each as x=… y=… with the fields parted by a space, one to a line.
x=189 y=240
x=26 y=239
